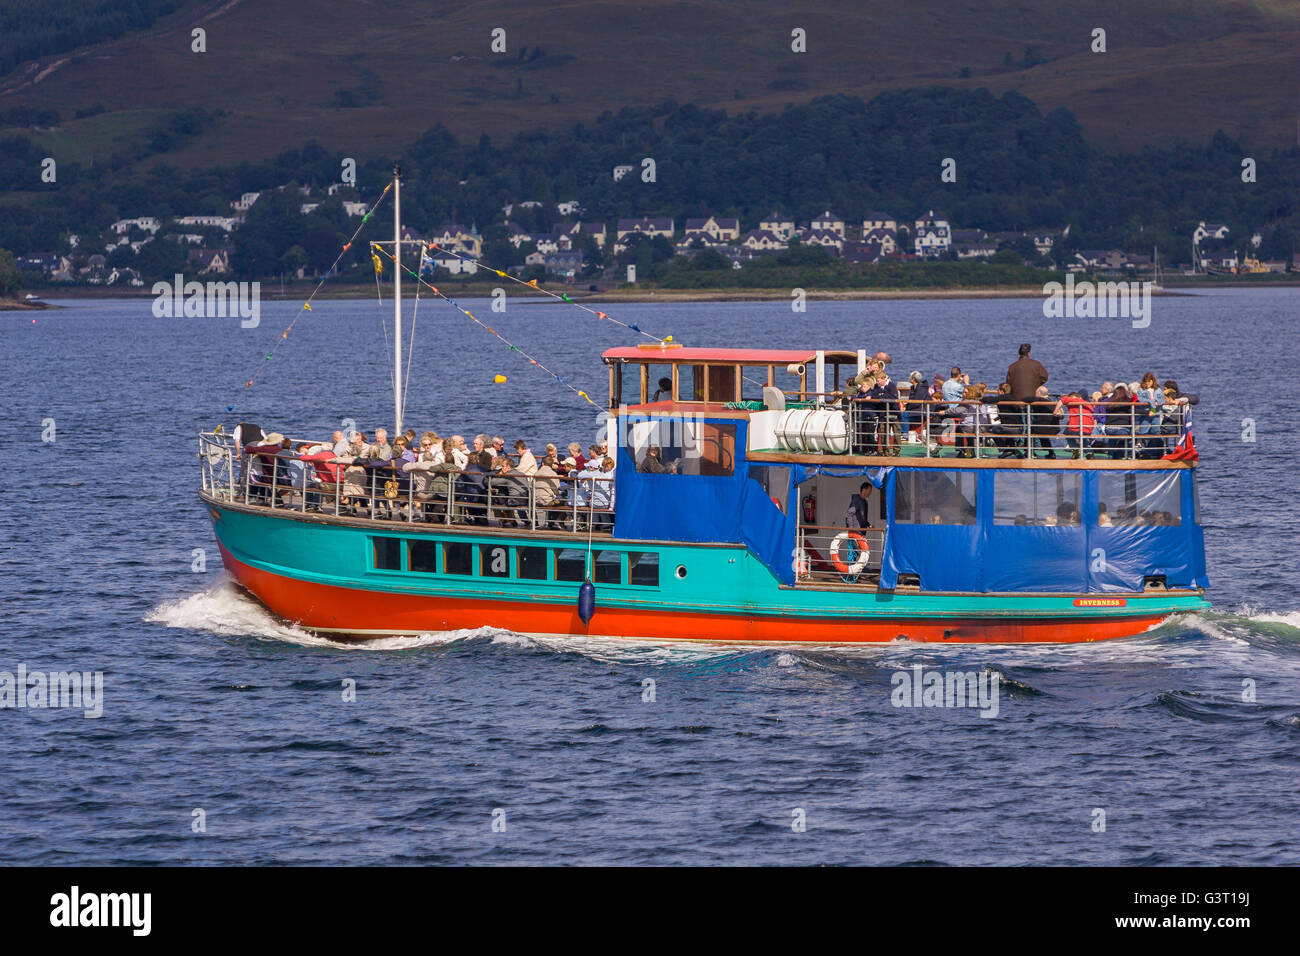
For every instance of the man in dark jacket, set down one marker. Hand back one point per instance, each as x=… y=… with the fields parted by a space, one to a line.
x=858 y=514
x=1025 y=375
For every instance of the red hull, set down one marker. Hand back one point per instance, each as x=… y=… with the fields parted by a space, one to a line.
x=349 y=612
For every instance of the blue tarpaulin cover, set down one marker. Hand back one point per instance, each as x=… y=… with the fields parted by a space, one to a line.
x=983 y=556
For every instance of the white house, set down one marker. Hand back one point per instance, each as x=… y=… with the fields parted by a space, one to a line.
x=646 y=225
x=226 y=223
x=763 y=240
x=932 y=236
x=878 y=220
x=456 y=237
x=722 y=230
x=456 y=266
x=824 y=237
x=777 y=224
x=829 y=222
x=1214 y=230
x=883 y=237
x=570 y=207
x=354 y=208
x=148 y=223
x=244 y=202
x=622 y=170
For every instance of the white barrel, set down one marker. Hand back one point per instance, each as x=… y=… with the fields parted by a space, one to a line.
x=815 y=431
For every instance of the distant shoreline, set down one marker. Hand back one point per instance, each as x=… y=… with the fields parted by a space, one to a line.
x=25 y=305
x=271 y=293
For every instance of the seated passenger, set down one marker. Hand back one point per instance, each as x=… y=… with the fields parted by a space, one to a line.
x=1043 y=421
x=509 y=490
x=665 y=390
x=471 y=488
x=527 y=462
x=653 y=464
x=1079 y=421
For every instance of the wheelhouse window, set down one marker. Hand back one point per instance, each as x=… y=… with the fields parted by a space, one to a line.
x=534 y=563
x=607 y=568
x=570 y=564
x=388 y=554
x=494 y=560
x=643 y=568
x=1037 y=498
x=1139 y=498
x=422 y=556
x=931 y=496
x=457 y=558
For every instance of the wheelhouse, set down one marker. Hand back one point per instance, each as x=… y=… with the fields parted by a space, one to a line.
x=673 y=375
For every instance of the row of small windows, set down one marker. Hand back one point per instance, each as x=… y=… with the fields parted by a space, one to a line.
x=427 y=556
x=1038 y=498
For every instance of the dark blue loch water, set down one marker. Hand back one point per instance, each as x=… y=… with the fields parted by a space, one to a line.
x=210 y=704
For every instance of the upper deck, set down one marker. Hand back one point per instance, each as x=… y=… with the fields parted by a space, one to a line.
x=800 y=411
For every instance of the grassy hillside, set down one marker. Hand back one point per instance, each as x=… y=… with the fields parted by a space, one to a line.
x=365 y=76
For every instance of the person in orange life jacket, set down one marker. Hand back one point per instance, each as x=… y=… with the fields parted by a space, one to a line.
x=858 y=515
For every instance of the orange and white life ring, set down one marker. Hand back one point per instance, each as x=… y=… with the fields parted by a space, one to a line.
x=863 y=549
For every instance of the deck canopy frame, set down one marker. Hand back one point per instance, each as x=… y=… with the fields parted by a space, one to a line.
x=712 y=376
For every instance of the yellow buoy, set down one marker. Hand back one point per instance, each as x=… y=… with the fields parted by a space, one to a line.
x=500 y=379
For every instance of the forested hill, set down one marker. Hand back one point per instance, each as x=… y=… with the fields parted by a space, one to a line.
x=1015 y=169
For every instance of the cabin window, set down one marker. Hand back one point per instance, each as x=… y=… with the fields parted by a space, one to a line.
x=932 y=496
x=607 y=567
x=570 y=565
x=388 y=554
x=658 y=383
x=643 y=568
x=1037 y=498
x=494 y=560
x=422 y=556
x=533 y=563
x=690 y=383
x=753 y=379
x=1139 y=498
x=457 y=558
x=697 y=448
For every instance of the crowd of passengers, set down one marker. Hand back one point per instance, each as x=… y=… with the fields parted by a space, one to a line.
x=1018 y=417
x=417 y=477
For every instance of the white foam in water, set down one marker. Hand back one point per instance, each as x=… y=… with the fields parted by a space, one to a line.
x=224 y=609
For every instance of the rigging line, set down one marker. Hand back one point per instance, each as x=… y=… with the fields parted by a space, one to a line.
x=473 y=318
x=410 y=349
x=383 y=323
x=306 y=306
x=563 y=297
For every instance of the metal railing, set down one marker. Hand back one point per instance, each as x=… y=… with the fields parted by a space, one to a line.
x=929 y=428
x=382 y=492
x=827 y=554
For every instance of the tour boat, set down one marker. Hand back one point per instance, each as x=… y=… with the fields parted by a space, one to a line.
x=738 y=533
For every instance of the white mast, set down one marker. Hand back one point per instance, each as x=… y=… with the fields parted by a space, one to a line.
x=397 y=300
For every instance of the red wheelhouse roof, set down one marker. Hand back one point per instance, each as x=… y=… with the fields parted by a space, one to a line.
x=735 y=356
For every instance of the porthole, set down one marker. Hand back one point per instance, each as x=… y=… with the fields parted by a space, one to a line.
x=681 y=570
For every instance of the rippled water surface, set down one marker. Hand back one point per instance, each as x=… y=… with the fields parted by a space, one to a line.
x=211 y=704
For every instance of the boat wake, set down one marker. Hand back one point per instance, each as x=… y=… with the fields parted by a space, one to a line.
x=225 y=610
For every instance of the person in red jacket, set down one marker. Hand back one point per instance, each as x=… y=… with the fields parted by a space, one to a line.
x=1079 y=421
